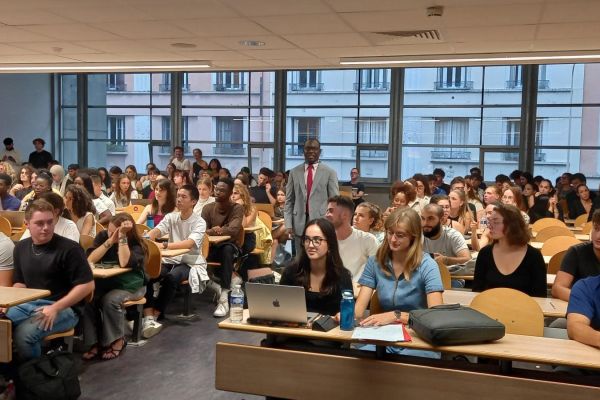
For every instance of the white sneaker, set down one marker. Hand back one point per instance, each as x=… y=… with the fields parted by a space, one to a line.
x=150 y=328
x=221 y=310
x=236 y=280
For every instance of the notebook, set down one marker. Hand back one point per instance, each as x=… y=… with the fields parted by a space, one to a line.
x=276 y=303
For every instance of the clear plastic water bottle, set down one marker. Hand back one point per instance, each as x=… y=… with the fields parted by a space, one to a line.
x=236 y=307
x=483 y=222
x=347 y=311
x=150 y=221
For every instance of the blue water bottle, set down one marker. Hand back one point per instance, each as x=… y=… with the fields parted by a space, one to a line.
x=347 y=311
x=150 y=221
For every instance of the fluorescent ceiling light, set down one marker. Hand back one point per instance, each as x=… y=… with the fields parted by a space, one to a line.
x=511 y=58
x=104 y=67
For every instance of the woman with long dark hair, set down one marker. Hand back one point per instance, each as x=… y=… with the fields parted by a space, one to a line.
x=163 y=202
x=81 y=208
x=103 y=319
x=319 y=269
x=123 y=192
x=24 y=184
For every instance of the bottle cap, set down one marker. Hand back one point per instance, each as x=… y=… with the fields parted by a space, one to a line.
x=237 y=286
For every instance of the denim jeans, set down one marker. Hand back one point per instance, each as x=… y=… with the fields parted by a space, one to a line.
x=27 y=333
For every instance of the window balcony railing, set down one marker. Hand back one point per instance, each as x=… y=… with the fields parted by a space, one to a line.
x=229 y=87
x=116 y=148
x=459 y=85
x=518 y=84
x=166 y=87
x=306 y=87
x=537 y=157
x=226 y=150
x=450 y=155
x=119 y=87
x=370 y=86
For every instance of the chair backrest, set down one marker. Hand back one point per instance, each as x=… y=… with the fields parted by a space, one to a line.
x=268 y=208
x=374 y=306
x=555 y=261
x=99 y=227
x=86 y=241
x=5 y=226
x=586 y=229
x=134 y=210
x=545 y=222
x=552 y=231
x=519 y=313
x=141 y=228
x=266 y=219
x=445 y=274
x=154 y=259
x=558 y=244
x=582 y=219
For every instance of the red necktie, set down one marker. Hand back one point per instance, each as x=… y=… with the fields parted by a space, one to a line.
x=309 y=182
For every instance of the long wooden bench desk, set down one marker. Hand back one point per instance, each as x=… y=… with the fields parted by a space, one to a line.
x=313 y=375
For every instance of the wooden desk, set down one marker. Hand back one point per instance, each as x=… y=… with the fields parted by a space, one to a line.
x=11 y=296
x=549 y=278
x=103 y=273
x=218 y=239
x=173 y=253
x=550 y=307
x=252 y=228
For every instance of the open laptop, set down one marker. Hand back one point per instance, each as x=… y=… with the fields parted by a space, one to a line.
x=276 y=303
x=16 y=218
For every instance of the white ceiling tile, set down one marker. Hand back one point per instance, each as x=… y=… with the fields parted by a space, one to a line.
x=346 y=51
x=257 y=8
x=270 y=41
x=377 y=5
x=9 y=34
x=276 y=54
x=144 y=29
x=498 y=33
x=568 y=31
x=7 y=50
x=301 y=63
x=328 y=40
x=571 y=11
x=478 y=46
x=566 y=44
x=103 y=12
x=115 y=46
x=71 y=31
x=222 y=27
x=190 y=9
x=390 y=21
x=166 y=44
x=226 y=55
x=33 y=59
x=249 y=64
x=308 y=23
x=32 y=17
x=488 y=15
x=57 y=48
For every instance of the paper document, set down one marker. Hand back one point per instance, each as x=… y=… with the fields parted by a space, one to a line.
x=386 y=333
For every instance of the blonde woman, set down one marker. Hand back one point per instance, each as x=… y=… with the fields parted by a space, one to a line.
x=369 y=218
x=205 y=189
x=405 y=278
x=123 y=192
x=241 y=196
x=6 y=168
x=459 y=210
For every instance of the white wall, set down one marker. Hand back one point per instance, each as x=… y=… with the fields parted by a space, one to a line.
x=25 y=110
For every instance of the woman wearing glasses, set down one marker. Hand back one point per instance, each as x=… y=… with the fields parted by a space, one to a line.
x=319 y=269
x=509 y=261
x=405 y=278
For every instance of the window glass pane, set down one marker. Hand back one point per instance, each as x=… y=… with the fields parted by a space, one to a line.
x=261 y=125
x=501 y=126
x=68 y=150
x=262 y=89
x=495 y=163
x=452 y=86
x=441 y=126
x=315 y=87
x=341 y=158
x=68 y=90
x=570 y=160
x=503 y=85
x=261 y=157
x=332 y=125
x=568 y=84
x=69 y=123
x=374 y=85
x=373 y=164
x=216 y=89
x=119 y=89
x=455 y=162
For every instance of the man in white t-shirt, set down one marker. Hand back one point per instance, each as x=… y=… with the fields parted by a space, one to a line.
x=186 y=231
x=105 y=207
x=180 y=162
x=355 y=246
x=443 y=243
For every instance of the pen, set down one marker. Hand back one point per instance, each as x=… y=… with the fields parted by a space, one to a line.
x=552 y=305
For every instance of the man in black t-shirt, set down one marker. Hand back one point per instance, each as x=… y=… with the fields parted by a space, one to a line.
x=358 y=188
x=580 y=261
x=264 y=192
x=40 y=158
x=52 y=262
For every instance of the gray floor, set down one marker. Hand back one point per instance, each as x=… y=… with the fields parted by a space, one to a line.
x=177 y=364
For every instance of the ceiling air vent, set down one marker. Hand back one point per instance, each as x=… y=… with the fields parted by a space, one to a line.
x=406 y=37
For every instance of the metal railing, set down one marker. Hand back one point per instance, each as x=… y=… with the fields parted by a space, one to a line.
x=229 y=87
x=116 y=148
x=459 y=85
x=119 y=87
x=306 y=87
x=517 y=84
x=450 y=155
x=372 y=86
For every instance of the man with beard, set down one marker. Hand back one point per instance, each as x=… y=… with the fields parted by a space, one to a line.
x=443 y=243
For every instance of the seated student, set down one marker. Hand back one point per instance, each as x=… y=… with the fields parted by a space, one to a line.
x=368 y=218
x=264 y=192
x=205 y=189
x=223 y=218
x=41 y=184
x=123 y=192
x=514 y=197
x=510 y=261
x=7 y=248
x=103 y=318
x=446 y=244
x=404 y=276
x=186 y=231
x=582 y=204
x=62 y=226
x=7 y=201
x=583 y=312
x=81 y=209
x=355 y=246
x=478 y=242
x=162 y=203
x=319 y=269
x=402 y=194
x=540 y=208
x=580 y=261
x=105 y=208
x=47 y=261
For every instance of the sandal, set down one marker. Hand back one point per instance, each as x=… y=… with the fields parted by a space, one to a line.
x=91 y=354
x=111 y=352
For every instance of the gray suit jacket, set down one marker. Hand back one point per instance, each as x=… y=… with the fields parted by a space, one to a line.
x=325 y=185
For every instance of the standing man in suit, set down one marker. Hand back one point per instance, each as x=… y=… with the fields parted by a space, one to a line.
x=309 y=186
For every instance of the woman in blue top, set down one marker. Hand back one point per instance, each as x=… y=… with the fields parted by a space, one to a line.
x=405 y=278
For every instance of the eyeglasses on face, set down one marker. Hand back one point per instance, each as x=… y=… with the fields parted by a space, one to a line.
x=315 y=241
x=398 y=235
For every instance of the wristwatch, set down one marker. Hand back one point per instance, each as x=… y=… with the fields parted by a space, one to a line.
x=165 y=245
x=398 y=315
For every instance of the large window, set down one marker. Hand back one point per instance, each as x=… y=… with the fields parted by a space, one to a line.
x=229 y=81
x=116 y=134
x=306 y=80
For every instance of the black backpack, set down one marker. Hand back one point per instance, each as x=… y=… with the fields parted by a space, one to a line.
x=51 y=377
